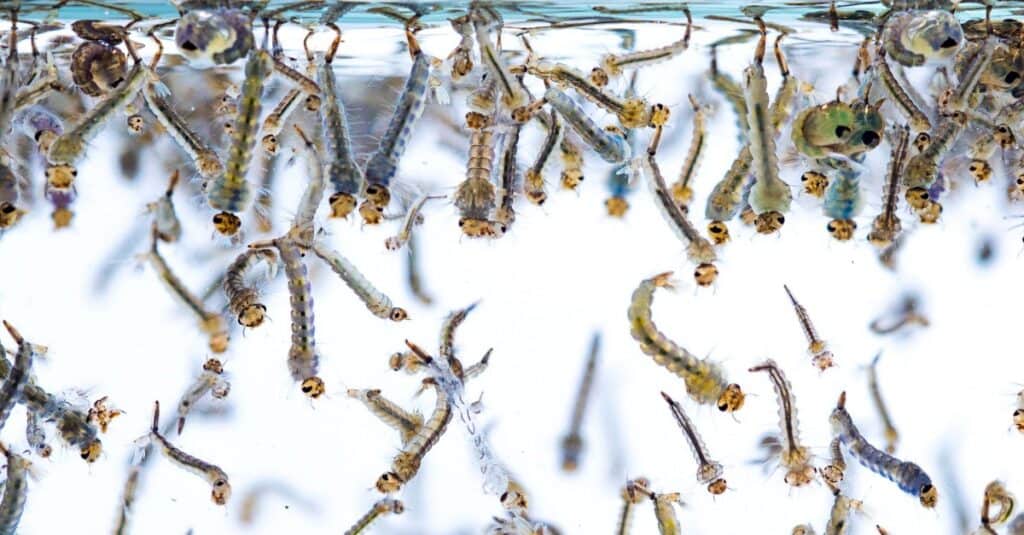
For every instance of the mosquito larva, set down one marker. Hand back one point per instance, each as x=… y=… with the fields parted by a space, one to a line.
x=770 y=196
x=923 y=168
x=462 y=56
x=709 y=472
x=475 y=196
x=682 y=192
x=301 y=81
x=834 y=472
x=533 y=179
x=413 y=273
x=206 y=160
x=407 y=463
x=891 y=435
x=908 y=476
x=509 y=177
x=230 y=192
x=343 y=172
x=977 y=65
x=303 y=357
x=40 y=87
x=704 y=379
x=210 y=380
x=211 y=323
x=633 y=112
x=312 y=196
x=273 y=123
x=610 y=146
x=886 y=226
x=512 y=95
x=412 y=216
x=572 y=442
x=631 y=497
x=406 y=423
x=165 y=219
x=613 y=64
x=727 y=197
x=996 y=495
x=908 y=108
x=383 y=165
x=379 y=509
x=793 y=456
x=13 y=385
x=698 y=249
x=838 y=523
x=15 y=491
x=221 y=488
x=376 y=301
x=821 y=356
x=35 y=434
x=244 y=298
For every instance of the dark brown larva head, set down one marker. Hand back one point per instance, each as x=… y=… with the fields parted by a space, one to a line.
x=221 y=491
x=227 y=223
x=705 y=274
x=769 y=222
x=91 y=452
x=398 y=314
x=718 y=232
x=841 y=229
x=313 y=387
x=388 y=483
x=342 y=204
x=731 y=399
x=252 y=315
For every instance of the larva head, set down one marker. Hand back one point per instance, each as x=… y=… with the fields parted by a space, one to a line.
x=598 y=77
x=226 y=106
x=1004 y=136
x=1018 y=420
x=9 y=214
x=705 y=274
x=800 y=475
x=928 y=494
x=378 y=194
x=61 y=176
x=97 y=68
x=213 y=365
x=462 y=66
x=718 y=231
x=312 y=103
x=219 y=341
x=917 y=198
x=572 y=446
x=922 y=140
x=832 y=474
x=269 y=143
x=313 y=387
x=934 y=34
x=221 y=492
x=533 y=187
x=682 y=195
x=398 y=314
x=481 y=228
x=91 y=452
x=222 y=36
x=610 y=65
x=342 y=204
x=226 y=223
x=43 y=450
x=229 y=129
x=514 y=499
x=616 y=206
x=731 y=399
x=371 y=213
x=747 y=216
x=135 y=123
x=929 y=214
x=571 y=178
x=823 y=360
x=814 y=183
x=634 y=114
x=980 y=170
x=252 y=315
x=388 y=483
x=477 y=121
x=841 y=229
x=717 y=487
x=506 y=215
x=769 y=222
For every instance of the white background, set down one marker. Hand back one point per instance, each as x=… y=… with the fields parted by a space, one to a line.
x=562 y=272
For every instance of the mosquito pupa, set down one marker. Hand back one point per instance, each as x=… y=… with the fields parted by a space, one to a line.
x=230 y=192
x=704 y=379
x=406 y=464
x=891 y=435
x=211 y=380
x=698 y=249
x=572 y=442
x=793 y=455
x=913 y=37
x=613 y=64
x=13 y=385
x=379 y=509
x=412 y=216
x=343 y=173
x=221 y=488
x=376 y=301
x=383 y=165
x=631 y=497
x=682 y=191
x=770 y=196
x=821 y=356
x=243 y=297
x=406 y=423
x=709 y=472
x=475 y=196
x=886 y=226
x=15 y=491
x=303 y=357
x=910 y=478
x=996 y=495
x=165 y=219
x=210 y=323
